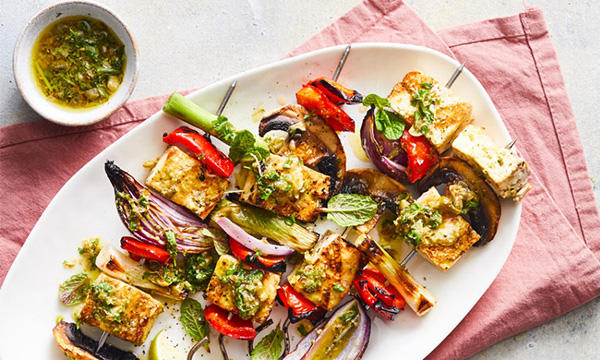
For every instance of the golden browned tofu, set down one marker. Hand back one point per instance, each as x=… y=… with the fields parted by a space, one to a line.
x=240 y=289
x=187 y=181
x=450 y=113
x=285 y=186
x=504 y=170
x=326 y=274
x=120 y=309
x=441 y=237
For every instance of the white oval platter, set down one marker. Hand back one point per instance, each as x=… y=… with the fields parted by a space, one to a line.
x=85 y=208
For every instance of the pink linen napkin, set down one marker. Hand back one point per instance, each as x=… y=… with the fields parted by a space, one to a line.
x=553 y=266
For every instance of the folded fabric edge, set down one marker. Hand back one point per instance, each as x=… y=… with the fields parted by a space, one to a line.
x=491 y=29
x=563 y=119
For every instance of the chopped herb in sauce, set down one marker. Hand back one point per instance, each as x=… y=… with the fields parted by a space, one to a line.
x=89 y=250
x=171 y=246
x=291 y=220
x=414 y=217
x=246 y=288
x=78 y=62
x=339 y=287
x=424 y=114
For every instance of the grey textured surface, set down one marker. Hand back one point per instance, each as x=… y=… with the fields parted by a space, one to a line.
x=187 y=44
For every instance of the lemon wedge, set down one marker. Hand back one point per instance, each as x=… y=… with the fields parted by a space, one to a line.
x=161 y=348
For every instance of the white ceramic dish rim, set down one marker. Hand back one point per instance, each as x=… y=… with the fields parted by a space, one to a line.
x=27 y=83
x=214 y=92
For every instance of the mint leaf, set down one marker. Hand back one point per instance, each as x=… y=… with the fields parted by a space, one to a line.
x=193 y=320
x=269 y=348
x=260 y=150
x=381 y=120
x=245 y=148
x=387 y=122
x=350 y=209
x=242 y=142
x=376 y=100
x=394 y=127
x=75 y=290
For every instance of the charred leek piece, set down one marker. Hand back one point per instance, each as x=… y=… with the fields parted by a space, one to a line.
x=120 y=266
x=262 y=223
x=155 y=221
x=417 y=297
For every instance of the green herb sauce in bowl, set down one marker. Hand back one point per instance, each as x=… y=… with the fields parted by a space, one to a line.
x=78 y=62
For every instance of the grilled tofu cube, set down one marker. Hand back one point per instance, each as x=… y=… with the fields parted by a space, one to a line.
x=120 y=309
x=443 y=237
x=451 y=114
x=285 y=186
x=187 y=181
x=326 y=274
x=503 y=169
x=240 y=289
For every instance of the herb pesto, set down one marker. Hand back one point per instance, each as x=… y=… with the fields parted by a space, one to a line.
x=246 y=288
x=422 y=101
x=78 y=62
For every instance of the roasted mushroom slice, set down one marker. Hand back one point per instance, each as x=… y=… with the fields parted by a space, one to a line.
x=484 y=214
x=293 y=130
x=76 y=345
x=380 y=187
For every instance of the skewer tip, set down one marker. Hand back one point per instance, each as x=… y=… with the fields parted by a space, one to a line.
x=510 y=144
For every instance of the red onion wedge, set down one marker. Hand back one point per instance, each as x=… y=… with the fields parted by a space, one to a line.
x=238 y=234
x=349 y=327
x=378 y=148
x=150 y=218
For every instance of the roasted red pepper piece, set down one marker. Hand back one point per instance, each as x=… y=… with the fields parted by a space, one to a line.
x=270 y=263
x=298 y=306
x=337 y=93
x=421 y=155
x=202 y=148
x=383 y=299
x=234 y=327
x=314 y=100
x=139 y=250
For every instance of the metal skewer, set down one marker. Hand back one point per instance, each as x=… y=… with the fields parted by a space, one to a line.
x=510 y=144
x=226 y=97
x=455 y=75
x=101 y=341
x=338 y=70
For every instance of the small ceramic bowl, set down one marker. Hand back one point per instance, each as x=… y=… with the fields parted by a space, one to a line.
x=27 y=83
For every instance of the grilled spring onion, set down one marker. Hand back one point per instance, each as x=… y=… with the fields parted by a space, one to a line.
x=155 y=221
x=262 y=223
x=417 y=297
x=188 y=111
